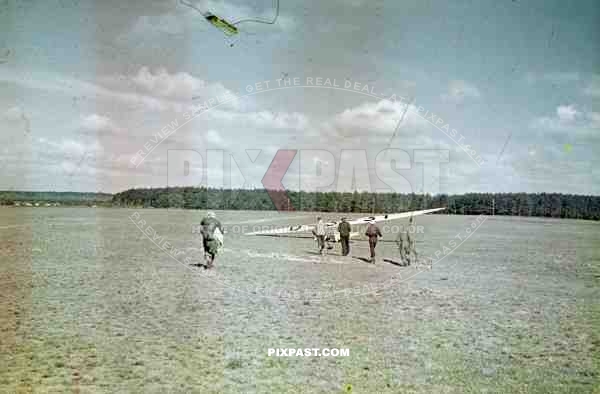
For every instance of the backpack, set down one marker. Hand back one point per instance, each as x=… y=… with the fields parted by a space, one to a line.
x=218 y=236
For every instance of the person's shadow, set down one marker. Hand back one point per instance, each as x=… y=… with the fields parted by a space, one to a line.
x=312 y=252
x=396 y=263
x=364 y=259
x=326 y=253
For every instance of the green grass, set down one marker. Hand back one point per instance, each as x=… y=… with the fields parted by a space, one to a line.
x=100 y=308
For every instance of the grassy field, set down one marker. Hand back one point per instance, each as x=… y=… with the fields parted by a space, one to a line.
x=90 y=304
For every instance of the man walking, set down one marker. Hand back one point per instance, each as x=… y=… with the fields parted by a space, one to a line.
x=406 y=244
x=373 y=232
x=212 y=237
x=319 y=233
x=345 y=229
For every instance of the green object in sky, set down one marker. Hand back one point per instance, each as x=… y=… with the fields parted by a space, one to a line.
x=568 y=148
x=222 y=24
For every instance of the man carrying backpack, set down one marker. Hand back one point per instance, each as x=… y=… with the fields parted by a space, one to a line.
x=373 y=232
x=212 y=237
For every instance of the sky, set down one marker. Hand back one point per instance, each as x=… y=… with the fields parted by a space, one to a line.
x=466 y=96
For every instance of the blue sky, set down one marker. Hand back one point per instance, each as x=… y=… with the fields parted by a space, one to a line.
x=85 y=85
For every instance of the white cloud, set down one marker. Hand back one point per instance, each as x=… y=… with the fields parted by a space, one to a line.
x=75 y=87
x=96 y=122
x=279 y=120
x=159 y=91
x=72 y=148
x=68 y=167
x=541 y=171
x=69 y=150
x=374 y=117
x=263 y=119
x=179 y=86
x=459 y=90
x=181 y=91
x=566 y=113
x=214 y=138
x=13 y=114
x=18 y=122
x=569 y=123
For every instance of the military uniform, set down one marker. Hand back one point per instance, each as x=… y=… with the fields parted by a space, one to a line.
x=344 y=228
x=373 y=232
x=211 y=245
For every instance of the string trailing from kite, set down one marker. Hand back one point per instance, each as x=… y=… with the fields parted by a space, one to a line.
x=261 y=20
x=231 y=28
x=406 y=244
x=400 y=121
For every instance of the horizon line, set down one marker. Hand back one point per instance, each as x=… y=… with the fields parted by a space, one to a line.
x=289 y=190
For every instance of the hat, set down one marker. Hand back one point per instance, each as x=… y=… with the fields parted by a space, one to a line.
x=343 y=218
x=211 y=214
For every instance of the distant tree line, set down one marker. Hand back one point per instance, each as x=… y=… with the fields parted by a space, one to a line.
x=62 y=198
x=554 y=205
x=517 y=204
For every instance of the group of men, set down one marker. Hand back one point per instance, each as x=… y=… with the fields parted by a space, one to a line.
x=212 y=239
x=345 y=229
x=321 y=235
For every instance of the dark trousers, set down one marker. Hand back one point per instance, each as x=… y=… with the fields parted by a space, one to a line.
x=321 y=241
x=372 y=245
x=210 y=250
x=345 y=241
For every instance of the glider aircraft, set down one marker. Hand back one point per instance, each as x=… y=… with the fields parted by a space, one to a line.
x=331 y=231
